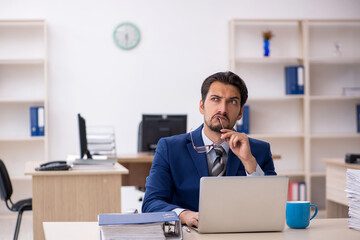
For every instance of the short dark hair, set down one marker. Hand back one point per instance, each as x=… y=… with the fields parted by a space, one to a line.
x=226 y=78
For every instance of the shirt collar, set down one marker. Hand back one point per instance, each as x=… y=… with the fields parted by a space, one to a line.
x=207 y=141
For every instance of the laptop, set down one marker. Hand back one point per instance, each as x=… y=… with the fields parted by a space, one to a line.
x=242 y=204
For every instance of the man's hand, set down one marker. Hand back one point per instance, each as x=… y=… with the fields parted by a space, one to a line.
x=189 y=218
x=239 y=145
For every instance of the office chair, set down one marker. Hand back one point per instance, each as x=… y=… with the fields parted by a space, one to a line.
x=5 y=194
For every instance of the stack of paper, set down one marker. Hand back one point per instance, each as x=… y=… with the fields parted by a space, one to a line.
x=101 y=141
x=88 y=164
x=353 y=194
x=157 y=225
x=143 y=231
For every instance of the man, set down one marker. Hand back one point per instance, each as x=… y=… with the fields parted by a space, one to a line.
x=213 y=149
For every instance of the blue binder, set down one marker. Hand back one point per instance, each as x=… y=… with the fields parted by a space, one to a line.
x=358 y=117
x=41 y=121
x=243 y=125
x=34 y=121
x=294 y=80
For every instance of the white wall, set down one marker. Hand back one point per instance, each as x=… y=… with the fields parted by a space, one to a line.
x=183 y=42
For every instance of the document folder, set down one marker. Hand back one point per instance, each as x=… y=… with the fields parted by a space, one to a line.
x=158 y=225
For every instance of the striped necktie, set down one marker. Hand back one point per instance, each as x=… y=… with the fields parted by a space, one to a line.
x=218 y=168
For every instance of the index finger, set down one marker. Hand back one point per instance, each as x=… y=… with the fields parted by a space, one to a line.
x=224 y=130
x=227 y=134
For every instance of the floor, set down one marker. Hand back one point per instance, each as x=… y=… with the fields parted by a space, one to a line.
x=7 y=226
x=132 y=199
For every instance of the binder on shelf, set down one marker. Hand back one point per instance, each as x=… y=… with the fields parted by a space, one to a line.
x=243 y=125
x=156 y=225
x=37 y=121
x=297 y=191
x=293 y=193
x=358 y=117
x=41 y=121
x=302 y=191
x=294 y=80
x=33 y=121
x=351 y=91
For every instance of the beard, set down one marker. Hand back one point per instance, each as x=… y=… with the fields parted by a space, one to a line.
x=216 y=127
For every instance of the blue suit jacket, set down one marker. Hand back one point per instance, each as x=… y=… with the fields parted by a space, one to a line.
x=175 y=174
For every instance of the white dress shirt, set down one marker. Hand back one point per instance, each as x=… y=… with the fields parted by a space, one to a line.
x=211 y=156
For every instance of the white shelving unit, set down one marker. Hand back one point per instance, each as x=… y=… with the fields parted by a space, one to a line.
x=301 y=128
x=23 y=83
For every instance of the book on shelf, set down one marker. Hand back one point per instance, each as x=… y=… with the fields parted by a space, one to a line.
x=243 y=125
x=302 y=191
x=297 y=191
x=33 y=121
x=37 y=121
x=156 y=225
x=293 y=192
x=351 y=91
x=294 y=80
x=358 y=117
x=41 y=121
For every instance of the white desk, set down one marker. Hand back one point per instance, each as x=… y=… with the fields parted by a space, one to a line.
x=336 y=201
x=329 y=229
x=74 y=195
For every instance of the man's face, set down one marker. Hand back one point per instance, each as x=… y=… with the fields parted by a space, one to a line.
x=222 y=101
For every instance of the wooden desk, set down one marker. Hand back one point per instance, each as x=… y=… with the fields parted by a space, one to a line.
x=336 y=200
x=74 y=195
x=329 y=229
x=139 y=165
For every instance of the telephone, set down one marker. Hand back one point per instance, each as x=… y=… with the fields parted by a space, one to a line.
x=53 y=166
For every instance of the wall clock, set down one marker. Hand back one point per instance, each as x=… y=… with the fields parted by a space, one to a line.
x=126 y=36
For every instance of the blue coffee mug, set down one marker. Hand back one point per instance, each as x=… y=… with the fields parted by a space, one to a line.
x=298 y=213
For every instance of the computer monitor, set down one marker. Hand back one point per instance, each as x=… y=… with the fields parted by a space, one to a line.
x=154 y=127
x=83 y=140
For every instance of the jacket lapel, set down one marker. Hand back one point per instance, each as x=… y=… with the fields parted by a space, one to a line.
x=199 y=159
x=234 y=165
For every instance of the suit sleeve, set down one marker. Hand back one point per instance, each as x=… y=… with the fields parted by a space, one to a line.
x=159 y=185
x=268 y=165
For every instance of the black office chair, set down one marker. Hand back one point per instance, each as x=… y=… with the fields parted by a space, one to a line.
x=5 y=194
